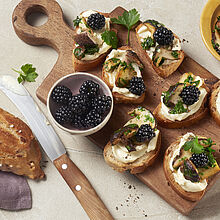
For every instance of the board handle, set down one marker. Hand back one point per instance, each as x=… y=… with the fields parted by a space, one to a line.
x=52 y=33
x=82 y=189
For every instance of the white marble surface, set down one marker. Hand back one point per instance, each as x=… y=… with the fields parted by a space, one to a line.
x=125 y=196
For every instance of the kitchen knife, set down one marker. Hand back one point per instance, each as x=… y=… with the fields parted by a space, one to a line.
x=54 y=148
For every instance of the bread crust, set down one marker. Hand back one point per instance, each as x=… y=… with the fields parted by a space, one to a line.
x=212 y=102
x=196 y=117
x=164 y=70
x=120 y=98
x=135 y=167
x=192 y=196
x=19 y=150
x=85 y=65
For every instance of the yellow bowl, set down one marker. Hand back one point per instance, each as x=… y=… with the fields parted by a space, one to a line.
x=207 y=21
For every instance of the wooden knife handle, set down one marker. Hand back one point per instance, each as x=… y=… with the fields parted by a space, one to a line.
x=82 y=189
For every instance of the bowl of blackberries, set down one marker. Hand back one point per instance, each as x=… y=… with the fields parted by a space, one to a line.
x=80 y=103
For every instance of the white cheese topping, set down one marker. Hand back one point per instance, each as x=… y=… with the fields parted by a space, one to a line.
x=121 y=153
x=96 y=35
x=192 y=109
x=112 y=76
x=187 y=185
x=144 y=32
x=9 y=82
x=218 y=102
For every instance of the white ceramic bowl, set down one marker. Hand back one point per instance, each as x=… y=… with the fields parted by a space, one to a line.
x=73 y=82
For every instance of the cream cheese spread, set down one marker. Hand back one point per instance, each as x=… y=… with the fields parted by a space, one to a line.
x=187 y=185
x=144 y=32
x=96 y=35
x=121 y=153
x=112 y=76
x=9 y=82
x=192 y=109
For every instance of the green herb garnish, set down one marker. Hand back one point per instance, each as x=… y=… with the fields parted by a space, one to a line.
x=132 y=125
x=27 y=73
x=77 y=21
x=175 y=54
x=110 y=38
x=178 y=108
x=194 y=146
x=91 y=49
x=154 y=23
x=128 y=148
x=128 y=19
x=138 y=117
x=148 y=43
x=148 y=118
x=190 y=81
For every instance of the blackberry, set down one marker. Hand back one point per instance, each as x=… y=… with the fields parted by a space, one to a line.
x=145 y=133
x=137 y=86
x=63 y=114
x=61 y=94
x=190 y=95
x=163 y=36
x=78 y=121
x=92 y=119
x=89 y=88
x=102 y=104
x=79 y=104
x=199 y=160
x=96 y=21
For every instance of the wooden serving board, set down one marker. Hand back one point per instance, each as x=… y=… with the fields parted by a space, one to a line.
x=57 y=34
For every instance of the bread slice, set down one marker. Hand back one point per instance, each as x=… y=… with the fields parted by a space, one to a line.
x=196 y=117
x=120 y=98
x=212 y=102
x=192 y=196
x=19 y=150
x=138 y=165
x=85 y=65
x=163 y=70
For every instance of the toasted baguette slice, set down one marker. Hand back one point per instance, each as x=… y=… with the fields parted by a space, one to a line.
x=85 y=65
x=163 y=70
x=120 y=98
x=19 y=150
x=192 y=196
x=165 y=122
x=138 y=165
x=212 y=102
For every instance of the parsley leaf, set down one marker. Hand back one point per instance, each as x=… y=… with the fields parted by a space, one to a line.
x=27 y=73
x=190 y=81
x=194 y=146
x=110 y=38
x=128 y=19
x=77 y=21
x=178 y=108
x=148 y=43
x=175 y=54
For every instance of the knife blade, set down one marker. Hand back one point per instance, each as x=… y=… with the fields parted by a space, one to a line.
x=54 y=148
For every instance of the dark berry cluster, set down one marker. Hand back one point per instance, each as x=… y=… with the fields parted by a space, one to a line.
x=84 y=110
x=96 y=21
x=190 y=95
x=137 y=86
x=144 y=133
x=199 y=160
x=163 y=36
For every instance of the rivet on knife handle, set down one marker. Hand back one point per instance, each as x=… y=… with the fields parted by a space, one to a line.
x=82 y=189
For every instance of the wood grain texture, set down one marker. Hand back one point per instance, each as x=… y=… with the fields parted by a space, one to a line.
x=154 y=175
x=86 y=195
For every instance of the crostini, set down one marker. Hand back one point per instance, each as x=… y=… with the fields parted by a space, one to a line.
x=214 y=102
x=184 y=103
x=90 y=49
x=136 y=145
x=162 y=47
x=188 y=164
x=122 y=73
